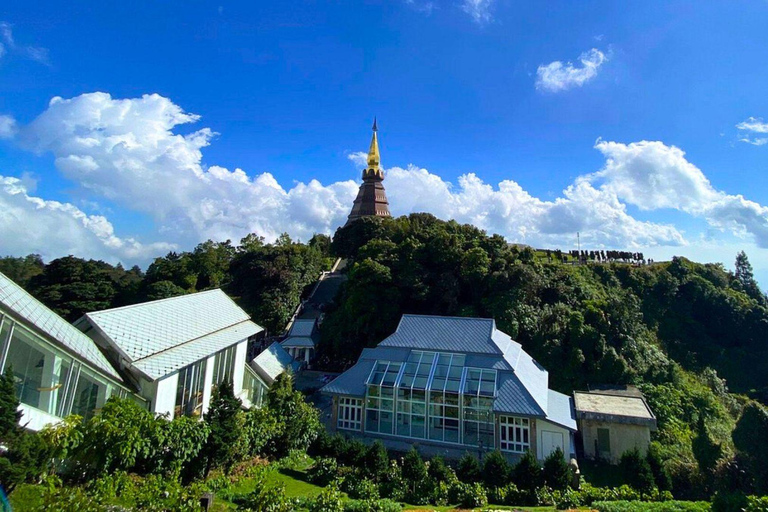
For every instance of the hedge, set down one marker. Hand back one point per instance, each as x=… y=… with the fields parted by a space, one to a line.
x=643 y=506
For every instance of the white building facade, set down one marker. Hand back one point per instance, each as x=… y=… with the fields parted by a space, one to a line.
x=57 y=370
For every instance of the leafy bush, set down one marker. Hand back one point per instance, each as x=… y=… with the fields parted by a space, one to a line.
x=640 y=506
x=473 y=495
x=468 y=470
x=557 y=473
x=372 y=506
x=414 y=470
x=298 y=421
x=757 y=504
x=496 y=470
x=329 y=500
x=323 y=472
x=361 y=488
x=226 y=444
x=439 y=471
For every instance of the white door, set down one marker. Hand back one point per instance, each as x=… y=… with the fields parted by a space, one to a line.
x=550 y=441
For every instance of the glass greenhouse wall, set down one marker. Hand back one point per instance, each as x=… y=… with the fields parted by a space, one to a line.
x=432 y=396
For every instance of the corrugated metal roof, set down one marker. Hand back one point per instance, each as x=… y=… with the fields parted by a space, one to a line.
x=142 y=330
x=302 y=327
x=449 y=334
x=298 y=341
x=168 y=361
x=560 y=410
x=352 y=381
x=513 y=398
x=273 y=361
x=16 y=299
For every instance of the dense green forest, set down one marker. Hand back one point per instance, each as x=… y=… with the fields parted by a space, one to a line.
x=690 y=335
x=266 y=279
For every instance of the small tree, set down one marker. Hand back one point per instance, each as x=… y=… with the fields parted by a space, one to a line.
x=226 y=421
x=636 y=471
x=376 y=462
x=468 y=469
x=660 y=472
x=439 y=471
x=527 y=473
x=557 y=473
x=9 y=407
x=414 y=469
x=496 y=470
x=749 y=438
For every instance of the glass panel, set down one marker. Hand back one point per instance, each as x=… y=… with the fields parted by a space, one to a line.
x=189 y=391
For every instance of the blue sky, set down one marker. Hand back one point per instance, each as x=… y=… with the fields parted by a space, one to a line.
x=488 y=112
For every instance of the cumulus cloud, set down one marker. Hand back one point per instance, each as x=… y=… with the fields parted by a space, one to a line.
x=7 y=127
x=556 y=76
x=479 y=10
x=128 y=151
x=52 y=229
x=652 y=175
x=751 y=126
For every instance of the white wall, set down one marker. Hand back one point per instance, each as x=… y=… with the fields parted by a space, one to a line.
x=208 y=383
x=164 y=399
x=35 y=419
x=545 y=426
x=239 y=369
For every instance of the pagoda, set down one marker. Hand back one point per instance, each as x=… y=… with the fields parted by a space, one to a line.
x=371 y=200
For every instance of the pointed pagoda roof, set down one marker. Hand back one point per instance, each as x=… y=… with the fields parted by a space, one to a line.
x=371 y=200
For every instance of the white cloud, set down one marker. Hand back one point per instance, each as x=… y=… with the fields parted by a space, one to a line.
x=652 y=175
x=753 y=125
x=52 y=229
x=127 y=151
x=479 y=10
x=7 y=127
x=556 y=76
x=9 y=44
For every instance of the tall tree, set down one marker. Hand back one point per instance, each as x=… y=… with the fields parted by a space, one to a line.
x=746 y=278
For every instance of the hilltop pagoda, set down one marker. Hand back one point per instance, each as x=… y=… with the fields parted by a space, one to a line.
x=371 y=200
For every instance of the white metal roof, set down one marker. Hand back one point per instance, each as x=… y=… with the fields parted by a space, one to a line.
x=162 y=336
x=18 y=301
x=168 y=361
x=142 y=330
x=273 y=361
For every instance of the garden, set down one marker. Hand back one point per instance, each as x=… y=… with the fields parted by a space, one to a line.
x=279 y=458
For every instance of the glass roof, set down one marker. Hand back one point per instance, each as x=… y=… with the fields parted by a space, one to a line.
x=434 y=371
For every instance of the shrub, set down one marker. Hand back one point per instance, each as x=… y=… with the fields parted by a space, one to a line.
x=361 y=489
x=329 y=500
x=636 y=471
x=300 y=421
x=567 y=499
x=261 y=428
x=640 y=506
x=557 y=473
x=527 y=473
x=757 y=504
x=496 y=470
x=660 y=472
x=468 y=470
x=372 y=506
x=473 y=495
x=414 y=470
x=323 y=472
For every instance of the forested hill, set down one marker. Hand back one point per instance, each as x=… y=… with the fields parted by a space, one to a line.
x=267 y=280
x=594 y=323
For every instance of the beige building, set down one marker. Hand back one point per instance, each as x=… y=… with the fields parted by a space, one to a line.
x=612 y=422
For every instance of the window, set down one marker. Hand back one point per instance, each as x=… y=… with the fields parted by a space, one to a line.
x=350 y=413
x=223 y=364
x=515 y=434
x=86 y=395
x=478 y=421
x=380 y=401
x=603 y=440
x=254 y=387
x=39 y=372
x=189 y=390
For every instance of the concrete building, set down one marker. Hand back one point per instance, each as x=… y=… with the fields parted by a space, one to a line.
x=613 y=421
x=452 y=385
x=57 y=369
x=174 y=351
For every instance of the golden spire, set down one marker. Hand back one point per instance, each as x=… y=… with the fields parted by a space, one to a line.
x=374 y=159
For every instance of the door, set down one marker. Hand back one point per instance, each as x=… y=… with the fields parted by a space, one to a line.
x=550 y=441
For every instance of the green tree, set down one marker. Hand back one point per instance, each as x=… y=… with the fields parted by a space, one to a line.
x=746 y=278
x=496 y=470
x=226 y=421
x=21 y=270
x=376 y=461
x=527 y=474
x=468 y=470
x=636 y=471
x=557 y=473
x=414 y=470
x=749 y=438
